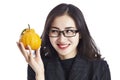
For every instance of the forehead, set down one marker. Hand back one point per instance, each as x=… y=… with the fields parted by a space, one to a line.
x=62 y=22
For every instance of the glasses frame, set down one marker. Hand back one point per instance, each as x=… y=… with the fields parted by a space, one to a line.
x=63 y=32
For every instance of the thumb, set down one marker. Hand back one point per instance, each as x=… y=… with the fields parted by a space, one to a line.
x=38 y=53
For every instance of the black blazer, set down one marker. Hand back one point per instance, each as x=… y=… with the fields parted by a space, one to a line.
x=82 y=69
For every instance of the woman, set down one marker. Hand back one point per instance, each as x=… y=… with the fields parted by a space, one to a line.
x=68 y=51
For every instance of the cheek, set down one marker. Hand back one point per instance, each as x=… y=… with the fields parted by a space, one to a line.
x=52 y=41
x=75 y=40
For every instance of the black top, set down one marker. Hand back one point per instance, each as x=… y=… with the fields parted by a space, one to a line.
x=66 y=65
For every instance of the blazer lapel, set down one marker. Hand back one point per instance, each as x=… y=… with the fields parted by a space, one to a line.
x=54 y=71
x=79 y=69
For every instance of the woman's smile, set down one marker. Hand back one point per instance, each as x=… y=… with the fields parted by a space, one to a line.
x=63 y=46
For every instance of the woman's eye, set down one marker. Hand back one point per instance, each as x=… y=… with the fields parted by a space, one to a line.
x=54 y=31
x=69 y=31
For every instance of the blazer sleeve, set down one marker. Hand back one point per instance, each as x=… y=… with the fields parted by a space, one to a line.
x=30 y=73
x=101 y=71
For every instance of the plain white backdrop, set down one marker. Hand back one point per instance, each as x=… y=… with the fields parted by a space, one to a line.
x=102 y=17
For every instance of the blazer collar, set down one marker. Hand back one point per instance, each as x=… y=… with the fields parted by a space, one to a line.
x=54 y=71
x=79 y=70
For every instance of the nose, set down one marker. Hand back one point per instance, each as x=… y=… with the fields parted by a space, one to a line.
x=61 y=38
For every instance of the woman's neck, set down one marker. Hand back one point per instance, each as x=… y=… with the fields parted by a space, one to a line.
x=63 y=57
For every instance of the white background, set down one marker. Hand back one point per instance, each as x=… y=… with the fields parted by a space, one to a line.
x=102 y=17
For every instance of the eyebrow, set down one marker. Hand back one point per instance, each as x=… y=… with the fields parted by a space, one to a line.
x=65 y=27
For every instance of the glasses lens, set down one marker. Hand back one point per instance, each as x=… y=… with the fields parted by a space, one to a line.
x=54 y=33
x=69 y=33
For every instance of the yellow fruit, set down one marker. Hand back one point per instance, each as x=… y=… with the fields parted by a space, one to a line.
x=29 y=37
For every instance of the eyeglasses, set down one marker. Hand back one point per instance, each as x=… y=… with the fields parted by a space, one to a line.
x=66 y=33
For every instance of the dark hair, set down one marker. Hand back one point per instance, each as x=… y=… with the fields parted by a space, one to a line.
x=86 y=46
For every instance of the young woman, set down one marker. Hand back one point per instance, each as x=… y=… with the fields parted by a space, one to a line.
x=68 y=51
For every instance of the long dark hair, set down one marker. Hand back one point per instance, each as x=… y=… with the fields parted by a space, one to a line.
x=86 y=47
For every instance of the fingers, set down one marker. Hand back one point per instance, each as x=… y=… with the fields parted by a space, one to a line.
x=36 y=62
x=19 y=46
x=28 y=54
x=31 y=56
x=22 y=49
x=38 y=56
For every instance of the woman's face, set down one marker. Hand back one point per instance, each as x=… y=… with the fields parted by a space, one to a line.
x=65 y=43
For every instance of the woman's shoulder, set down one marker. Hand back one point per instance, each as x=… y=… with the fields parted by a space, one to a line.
x=100 y=67
x=99 y=63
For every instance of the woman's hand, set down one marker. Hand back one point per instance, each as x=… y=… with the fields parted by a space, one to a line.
x=36 y=62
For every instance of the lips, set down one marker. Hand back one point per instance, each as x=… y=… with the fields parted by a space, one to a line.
x=63 y=46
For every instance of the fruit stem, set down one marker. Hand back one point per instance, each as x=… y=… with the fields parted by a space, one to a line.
x=29 y=26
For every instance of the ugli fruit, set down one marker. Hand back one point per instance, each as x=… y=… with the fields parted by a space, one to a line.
x=31 y=38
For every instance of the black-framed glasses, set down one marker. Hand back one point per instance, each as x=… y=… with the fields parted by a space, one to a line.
x=66 y=33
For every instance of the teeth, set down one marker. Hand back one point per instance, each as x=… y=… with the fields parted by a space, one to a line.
x=62 y=45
